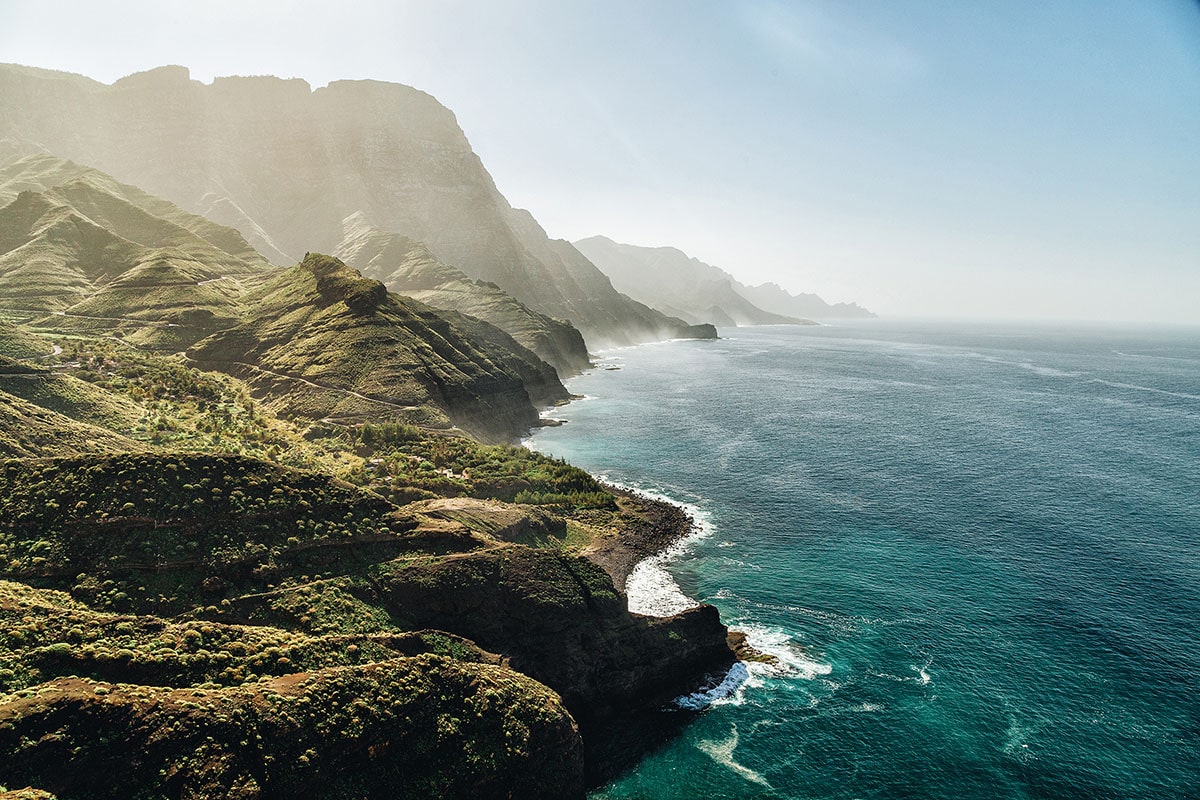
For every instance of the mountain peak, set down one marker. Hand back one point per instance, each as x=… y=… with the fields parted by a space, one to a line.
x=338 y=283
x=170 y=75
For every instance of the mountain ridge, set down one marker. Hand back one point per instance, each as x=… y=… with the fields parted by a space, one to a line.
x=671 y=279
x=285 y=164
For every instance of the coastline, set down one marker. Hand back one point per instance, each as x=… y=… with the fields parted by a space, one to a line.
x=660 y=525
x=644 y=550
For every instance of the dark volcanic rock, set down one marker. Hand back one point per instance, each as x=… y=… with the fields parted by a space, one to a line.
x=559 y=619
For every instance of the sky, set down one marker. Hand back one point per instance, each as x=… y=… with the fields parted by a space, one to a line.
x=939 y=158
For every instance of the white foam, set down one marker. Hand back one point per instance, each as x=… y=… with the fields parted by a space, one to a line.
x=650 y=589
x=1137 y=388
x=790 y=660
x=722 y=753
x=734 y=679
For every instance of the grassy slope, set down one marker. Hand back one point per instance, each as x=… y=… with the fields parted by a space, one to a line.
x=41 y=173
x=407 y=267
x=321 y=324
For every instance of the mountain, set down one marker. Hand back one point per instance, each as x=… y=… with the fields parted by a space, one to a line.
x=773 y=297
x=321 y=341
x=76 y=243
x=285 y=165
x=669 y=279
x=407 y=267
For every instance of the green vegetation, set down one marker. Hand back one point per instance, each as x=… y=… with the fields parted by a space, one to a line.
x=321 y=341
x=247 y=545
x=403 y=458
x=407 y=267
x=422 y=726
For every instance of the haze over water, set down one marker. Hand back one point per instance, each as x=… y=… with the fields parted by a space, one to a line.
x=975 y=549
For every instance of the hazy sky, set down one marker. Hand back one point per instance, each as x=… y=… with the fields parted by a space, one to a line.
x=996 y=158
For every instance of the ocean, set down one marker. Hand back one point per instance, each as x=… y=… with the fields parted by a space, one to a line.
x=973 y=549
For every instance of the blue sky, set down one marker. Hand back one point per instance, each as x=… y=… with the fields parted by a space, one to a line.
x=994 y=158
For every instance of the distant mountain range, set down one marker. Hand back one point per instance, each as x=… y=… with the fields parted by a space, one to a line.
x=286 y=165
x=669 y=279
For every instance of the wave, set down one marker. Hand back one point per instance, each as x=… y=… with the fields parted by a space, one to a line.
x=650 y=589
x=791 y=662
x=734 y=680
x=722 y=753
x=1037 y=369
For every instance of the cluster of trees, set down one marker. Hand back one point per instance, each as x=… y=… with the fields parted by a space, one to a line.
x=407 y=457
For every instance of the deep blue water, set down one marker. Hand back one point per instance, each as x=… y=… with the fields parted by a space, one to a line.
x=976 y=550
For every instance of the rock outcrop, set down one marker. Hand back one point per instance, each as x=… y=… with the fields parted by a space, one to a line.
x=320 y=340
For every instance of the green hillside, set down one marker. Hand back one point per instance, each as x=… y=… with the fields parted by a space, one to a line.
x=407 y=267
x=93 y=193
x=321 y=341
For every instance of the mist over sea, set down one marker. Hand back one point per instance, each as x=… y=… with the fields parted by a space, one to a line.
x=975 y=550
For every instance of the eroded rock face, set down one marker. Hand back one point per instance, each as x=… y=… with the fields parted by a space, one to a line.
x=320 y=340
x=412 y=727
x=558 y=619
x=285 y=165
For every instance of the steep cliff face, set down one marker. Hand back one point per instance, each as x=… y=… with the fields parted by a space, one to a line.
x=320 y=340
x=285 y=165
x=560 y=620
x=407 y=267
x=679 y=284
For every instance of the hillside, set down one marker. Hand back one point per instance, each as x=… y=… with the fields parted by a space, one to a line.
x=321 y=341
x=679 y=284
x=213 y=597
x=88 y=250
x=285 y=165
x=407 y=267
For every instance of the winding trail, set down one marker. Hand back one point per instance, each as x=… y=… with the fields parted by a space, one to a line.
x=306 y=382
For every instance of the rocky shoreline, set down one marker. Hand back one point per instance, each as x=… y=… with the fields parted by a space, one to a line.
x=655 y=526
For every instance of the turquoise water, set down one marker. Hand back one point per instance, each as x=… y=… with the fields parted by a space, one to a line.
x=976 y=551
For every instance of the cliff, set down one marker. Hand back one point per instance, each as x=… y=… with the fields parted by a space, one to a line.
x=668 y=278
x=407 y=267
x=285 y=165
x=223 y=627
x=321 y=341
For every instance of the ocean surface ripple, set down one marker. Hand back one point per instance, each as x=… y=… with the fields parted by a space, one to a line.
x=974 y=551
